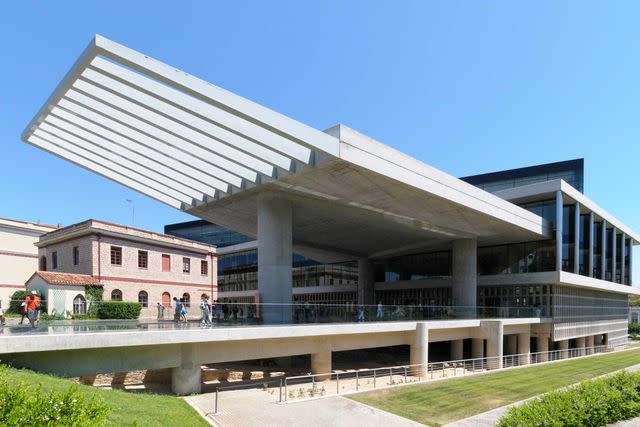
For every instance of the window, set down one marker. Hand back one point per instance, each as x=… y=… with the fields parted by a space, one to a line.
x=166 y=299
x=204 y=268
x=143 y=259
x=76 y=255
x=116 y=255
x=166 y=262
x=43 y=263
x=186 y=299
x=116 y=295
x=143 y=298
x=186 y=265
x=79 y=305
x=54 y=260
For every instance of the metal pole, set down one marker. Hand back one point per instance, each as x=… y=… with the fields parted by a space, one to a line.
x=285 y=389
x=390 y=376
x=356 y=380
x=280 y=401
x=337 y=383
x=215 y=411
x=374 y=378
x=405 y=374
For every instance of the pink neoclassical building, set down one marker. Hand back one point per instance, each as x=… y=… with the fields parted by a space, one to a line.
x=131 y=264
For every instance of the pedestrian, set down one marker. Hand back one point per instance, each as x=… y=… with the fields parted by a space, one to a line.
x=23 y=311
x=361 y=313
x=218 y=310
x=204 y=309
x=225 y=311
x=32 y=302
x=2 y=319
x=235 y=310
x=177 y=308
x=379 y=311
x=183 y=311
x=160 y=311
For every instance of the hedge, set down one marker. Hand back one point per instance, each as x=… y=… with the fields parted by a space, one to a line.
x=634 y=328
x=593 y=403
x=26 y=405
x=118 y=310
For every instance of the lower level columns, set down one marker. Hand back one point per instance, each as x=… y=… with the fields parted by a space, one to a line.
x=493 y=331
x=457 y=348
x=419 y=350
x=512 y=344
x=465 y=275
x=564 y=349
x=589 y=344
x=321 y=364
x=580 y=346
x=543 y=347
x=187 y=378
x=477 y=348
x=275 y=253
x=524 y=348
x=366 y=282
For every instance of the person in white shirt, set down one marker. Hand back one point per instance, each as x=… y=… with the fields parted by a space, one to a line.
x=2 y=320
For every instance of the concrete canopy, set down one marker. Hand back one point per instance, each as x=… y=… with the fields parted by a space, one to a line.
x=208 y=152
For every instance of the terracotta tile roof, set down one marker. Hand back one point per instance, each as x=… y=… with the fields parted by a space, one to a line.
x=53 y=278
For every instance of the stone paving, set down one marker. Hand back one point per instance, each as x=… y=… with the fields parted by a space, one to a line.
x=257 y=408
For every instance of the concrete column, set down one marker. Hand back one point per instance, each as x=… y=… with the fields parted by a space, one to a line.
x=366 y=282
x=457 y=349
x=321 y=363
x=597 y=340
x=477 y=348
x=187 y=378
x=580 y=342
x=591 y=244
x=524 y=348
x=589 y=344
x=623 y=247
x=559 y=205
x=465 y=272
x=630 y=263
x=564 y=349
x=543 y=347
x=576 y=246
x=614 y=253
x=419 y=350
x=603 y=261
x=493 y=330
x=512 y=344
x=275 y=245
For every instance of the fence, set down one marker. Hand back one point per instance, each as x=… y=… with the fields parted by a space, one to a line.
x=336 y=383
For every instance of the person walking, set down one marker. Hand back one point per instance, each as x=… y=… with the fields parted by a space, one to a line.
x=361 y=313
x=204 y=309
x=379 y=311
x=183 y=311
x=177 y=309
x=160 y=311
x=235 y=310
x=32 y=302
x=23 y=311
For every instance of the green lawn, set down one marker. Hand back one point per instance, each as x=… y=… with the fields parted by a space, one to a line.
x=445 y=401
x=127 y=408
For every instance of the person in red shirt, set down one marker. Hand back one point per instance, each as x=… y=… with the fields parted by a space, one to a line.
x=32 y=305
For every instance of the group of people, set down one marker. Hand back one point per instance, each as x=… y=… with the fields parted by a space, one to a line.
x=209 y=310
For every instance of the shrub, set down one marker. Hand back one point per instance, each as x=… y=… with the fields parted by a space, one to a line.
x=118 y=310
x=593 y=403
x=23 y=405
x=634 y=328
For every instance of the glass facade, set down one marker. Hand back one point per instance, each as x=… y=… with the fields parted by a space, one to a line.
x=423 y=296
x=530 y=257
x=576 y=304
x=534 y=296
x=627 y=260
x=413 y=267
x=568 y=237
x=597 y=250
x=608 y=275
x=585 y=240
x=619 y=272
x=206 y=232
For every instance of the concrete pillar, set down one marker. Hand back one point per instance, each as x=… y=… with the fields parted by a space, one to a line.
x=524 y=348
x=597 y=340
x=477 y=348
x=589 y=344
x=576 y=239
x=321 y=364
x=543 y=348
x=457 y=349
x=614 y=253
x=564 y=349
x=465 y=274
x=591 y=244
x=187 y=378
x=559 y=206
x=366 y=282
x=580 y=342
x=603 y=261
x=630 y=281
x=512 y=344
x=275 y=245
x=493 y=330
x=419 y=350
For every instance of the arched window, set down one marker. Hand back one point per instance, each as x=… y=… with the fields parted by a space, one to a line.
x=79 y=305
x=186 y=298
x=143 y=298
x=166 y=299
x=116 y=295
x=43 y=263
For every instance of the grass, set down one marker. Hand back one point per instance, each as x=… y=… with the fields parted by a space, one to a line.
x=143 y=409
x=446 y=401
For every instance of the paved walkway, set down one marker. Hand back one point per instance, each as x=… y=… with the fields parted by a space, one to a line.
x=257 y=408
x=490 y=418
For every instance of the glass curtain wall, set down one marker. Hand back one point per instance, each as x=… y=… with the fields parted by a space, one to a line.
x=619 y=272
x=568 y=237
x=585 y=241
x=597 y=250
x=627 y=265
x=413 y=267
x=609 y=258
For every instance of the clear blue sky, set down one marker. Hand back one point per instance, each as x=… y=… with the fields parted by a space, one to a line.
x=468 y=87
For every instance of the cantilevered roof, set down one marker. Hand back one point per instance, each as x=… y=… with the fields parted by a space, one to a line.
x=209 y=152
